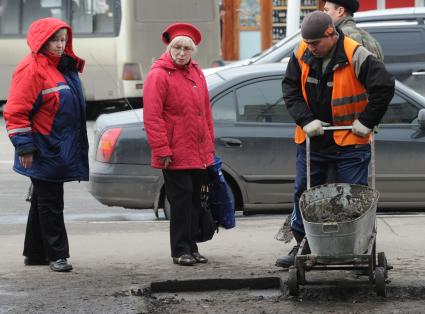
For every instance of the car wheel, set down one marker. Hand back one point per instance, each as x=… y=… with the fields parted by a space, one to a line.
x=167 y=208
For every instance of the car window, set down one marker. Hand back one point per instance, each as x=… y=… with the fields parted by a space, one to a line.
x=394 y=43
x=262 y=102
x=400 y=111
x=224 y=108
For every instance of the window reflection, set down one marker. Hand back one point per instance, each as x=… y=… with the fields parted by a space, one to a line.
x=262 y=102
x=400 y=111
x=9 y=22
x=224 y=108
x=92 y=16
x=87 y=16
x=36 y=9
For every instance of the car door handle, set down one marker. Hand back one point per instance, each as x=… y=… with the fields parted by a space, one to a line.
x=418 y=73
x=231 y=142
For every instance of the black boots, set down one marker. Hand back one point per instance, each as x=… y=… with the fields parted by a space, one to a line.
x=199 y=258
x=190 y=259
x=288 y=260
x=61 y=265
x=184 y=260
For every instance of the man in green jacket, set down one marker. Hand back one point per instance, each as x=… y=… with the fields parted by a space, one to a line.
x=341 y=12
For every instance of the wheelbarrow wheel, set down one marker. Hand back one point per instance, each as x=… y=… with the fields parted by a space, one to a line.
x=380 y=283
x=382 y=262
x=293 y=281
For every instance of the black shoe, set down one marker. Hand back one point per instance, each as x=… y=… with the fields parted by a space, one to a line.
x=60 y=265
x=287 y=261
x=199 y=258
x=184 y=260
x=33 y=261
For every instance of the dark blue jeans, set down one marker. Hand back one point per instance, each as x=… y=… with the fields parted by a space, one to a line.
x=350 y=166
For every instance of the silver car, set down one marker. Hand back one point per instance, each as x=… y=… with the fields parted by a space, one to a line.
x=401 y=33
x=254 y=138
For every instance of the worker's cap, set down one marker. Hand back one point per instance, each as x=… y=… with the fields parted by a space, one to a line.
x=350 y=5
x=317 y=25
x=181 y=29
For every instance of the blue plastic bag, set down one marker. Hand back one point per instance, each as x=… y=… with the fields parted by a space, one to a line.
x=221 y=203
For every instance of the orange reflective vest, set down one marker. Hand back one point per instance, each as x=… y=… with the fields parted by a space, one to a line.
x=349 y=97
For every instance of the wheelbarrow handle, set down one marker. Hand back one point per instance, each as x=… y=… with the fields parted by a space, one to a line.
x=339 y=128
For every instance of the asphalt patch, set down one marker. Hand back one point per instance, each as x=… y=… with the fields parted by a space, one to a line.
x=275 y=287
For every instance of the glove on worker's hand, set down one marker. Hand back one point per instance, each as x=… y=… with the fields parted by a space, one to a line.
x=359 y=129
x=315 y=128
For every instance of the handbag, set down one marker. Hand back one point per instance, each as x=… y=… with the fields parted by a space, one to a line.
x=207 y=224
x=220 y=201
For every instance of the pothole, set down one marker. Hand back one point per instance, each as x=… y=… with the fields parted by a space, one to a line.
x=271 y=288
x=209 y=284
x=254 y=294
x=214 y=288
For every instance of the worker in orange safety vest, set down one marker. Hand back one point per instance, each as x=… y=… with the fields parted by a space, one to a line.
x=332 y=80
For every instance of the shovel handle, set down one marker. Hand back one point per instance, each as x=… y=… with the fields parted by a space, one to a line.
x=339 y=128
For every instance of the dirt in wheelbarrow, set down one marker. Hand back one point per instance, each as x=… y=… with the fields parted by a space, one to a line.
x=336 y=209
x=333 y=213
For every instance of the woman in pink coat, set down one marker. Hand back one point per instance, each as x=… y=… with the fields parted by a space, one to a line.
x=179 y=127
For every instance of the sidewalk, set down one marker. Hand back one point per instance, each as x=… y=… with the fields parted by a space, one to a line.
x=111 y=259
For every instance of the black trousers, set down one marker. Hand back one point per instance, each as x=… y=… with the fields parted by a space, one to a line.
x=183 y=190
x=45 y=236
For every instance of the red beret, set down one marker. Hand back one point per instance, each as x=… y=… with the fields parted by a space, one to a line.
x=181 y=29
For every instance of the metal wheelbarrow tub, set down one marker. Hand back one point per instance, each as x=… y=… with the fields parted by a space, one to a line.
x=339 y=218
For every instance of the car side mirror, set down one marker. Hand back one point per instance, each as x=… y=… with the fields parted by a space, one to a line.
x=421 y=119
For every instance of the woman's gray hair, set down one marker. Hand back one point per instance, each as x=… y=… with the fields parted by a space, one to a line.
x=184 y=41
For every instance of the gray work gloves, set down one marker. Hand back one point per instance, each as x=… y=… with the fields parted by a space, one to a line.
x=359 y=129
x=315 y=128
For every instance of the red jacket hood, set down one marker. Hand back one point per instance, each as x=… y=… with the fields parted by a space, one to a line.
x=41 y=30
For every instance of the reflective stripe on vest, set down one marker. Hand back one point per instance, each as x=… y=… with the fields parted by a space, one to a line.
x=54 y=89
x=19 y=130
x=349 y=97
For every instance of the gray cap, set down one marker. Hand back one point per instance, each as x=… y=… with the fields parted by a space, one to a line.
x=317 y=25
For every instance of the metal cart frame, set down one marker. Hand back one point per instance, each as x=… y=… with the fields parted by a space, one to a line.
x=375 y=264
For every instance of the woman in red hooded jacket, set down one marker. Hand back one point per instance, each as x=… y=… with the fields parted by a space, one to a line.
x=179 y=127
x=45 y=120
